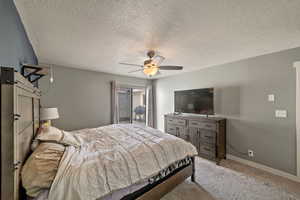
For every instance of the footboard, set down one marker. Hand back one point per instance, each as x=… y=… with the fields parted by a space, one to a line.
x=161 y=187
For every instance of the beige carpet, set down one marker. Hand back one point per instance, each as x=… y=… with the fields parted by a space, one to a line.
x=188 y=191
x=234 y=182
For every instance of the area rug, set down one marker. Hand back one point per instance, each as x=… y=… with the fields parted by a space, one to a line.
x=219 y=183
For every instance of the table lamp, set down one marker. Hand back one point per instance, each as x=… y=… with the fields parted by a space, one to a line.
x=48 y=114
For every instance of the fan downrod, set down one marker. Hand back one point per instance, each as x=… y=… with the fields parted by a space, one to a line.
x=151 y=54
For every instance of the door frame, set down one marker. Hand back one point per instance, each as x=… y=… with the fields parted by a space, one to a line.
x=131 y=87
x=297 y=66
x=129 y=92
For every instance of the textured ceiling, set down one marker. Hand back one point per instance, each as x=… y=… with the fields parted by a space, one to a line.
x=97 y=34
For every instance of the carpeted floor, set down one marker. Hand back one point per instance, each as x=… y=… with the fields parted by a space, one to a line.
x=234 y=181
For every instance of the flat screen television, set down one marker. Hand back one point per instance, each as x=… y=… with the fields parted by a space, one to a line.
x=197 y=101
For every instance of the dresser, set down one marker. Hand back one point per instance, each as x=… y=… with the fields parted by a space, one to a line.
x=207 y=134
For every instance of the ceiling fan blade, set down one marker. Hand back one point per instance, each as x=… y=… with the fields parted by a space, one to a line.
x=158 y=59
x=135 y=65
x=136 y=71
x=170 y=67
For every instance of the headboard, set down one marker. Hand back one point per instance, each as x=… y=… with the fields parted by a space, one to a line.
x=20 y=102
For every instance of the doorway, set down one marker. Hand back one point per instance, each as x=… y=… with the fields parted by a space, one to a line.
x=132 y=105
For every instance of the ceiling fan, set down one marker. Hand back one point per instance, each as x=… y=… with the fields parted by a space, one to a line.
x=152 y=65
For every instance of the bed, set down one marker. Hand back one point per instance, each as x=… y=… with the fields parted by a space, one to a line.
x=155 y=182
x=119 y=161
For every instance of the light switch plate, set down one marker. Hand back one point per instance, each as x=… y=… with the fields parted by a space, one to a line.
x=271 y=97
x=281 y=113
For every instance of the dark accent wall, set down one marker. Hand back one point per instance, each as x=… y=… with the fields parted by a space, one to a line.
x=15 y=47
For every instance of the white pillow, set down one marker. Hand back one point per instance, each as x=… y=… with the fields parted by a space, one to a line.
x=52 y=134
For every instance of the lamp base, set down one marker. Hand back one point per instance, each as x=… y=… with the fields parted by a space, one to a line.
x=46 y=123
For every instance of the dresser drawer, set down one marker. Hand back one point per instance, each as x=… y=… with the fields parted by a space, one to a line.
x=171 y=129
x=180 y=122
x=207 y=136
x=171 y=120
x=207 y=151
x=203 y=125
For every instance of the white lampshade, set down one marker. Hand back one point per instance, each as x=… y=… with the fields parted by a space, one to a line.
x=49 y=113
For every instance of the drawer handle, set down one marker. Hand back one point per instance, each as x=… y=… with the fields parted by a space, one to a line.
x=208 y=125
x=171 y=129
x=208 y=136
x=194 y=124
x=207 y=149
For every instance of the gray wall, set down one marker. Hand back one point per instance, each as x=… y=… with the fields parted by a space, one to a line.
x=83 y=98
x=15 y=47
x=241 y=96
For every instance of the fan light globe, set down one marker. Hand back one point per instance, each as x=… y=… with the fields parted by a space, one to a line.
x=150 y=71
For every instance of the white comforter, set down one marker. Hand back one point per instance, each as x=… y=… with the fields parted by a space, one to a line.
x=114 y=157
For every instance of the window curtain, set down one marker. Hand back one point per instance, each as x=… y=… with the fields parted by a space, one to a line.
x=149 y=106
x=114 y=103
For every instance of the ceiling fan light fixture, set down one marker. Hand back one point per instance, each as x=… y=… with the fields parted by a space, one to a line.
x=150 y=71
x=152 y=65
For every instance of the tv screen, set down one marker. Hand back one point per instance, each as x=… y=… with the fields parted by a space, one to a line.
x=198 y=101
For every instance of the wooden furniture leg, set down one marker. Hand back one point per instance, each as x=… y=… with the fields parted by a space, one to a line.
x=193 y=168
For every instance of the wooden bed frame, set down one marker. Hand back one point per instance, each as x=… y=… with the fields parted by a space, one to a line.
x=20 y=103
x=160 y=188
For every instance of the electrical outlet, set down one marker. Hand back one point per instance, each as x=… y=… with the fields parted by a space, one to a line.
x=250 y=153
x=281 y=113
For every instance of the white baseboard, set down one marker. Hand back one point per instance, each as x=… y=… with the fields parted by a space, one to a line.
x=264 y=167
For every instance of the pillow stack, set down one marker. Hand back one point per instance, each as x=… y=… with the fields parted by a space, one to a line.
x=41 y=167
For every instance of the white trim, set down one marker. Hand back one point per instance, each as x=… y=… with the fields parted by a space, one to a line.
x=264 y=167
x=297 y=66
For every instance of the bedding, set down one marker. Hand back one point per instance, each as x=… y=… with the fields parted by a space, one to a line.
x=114 y=157
x=40 y=169
x=53 y=134
x=119 y=194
